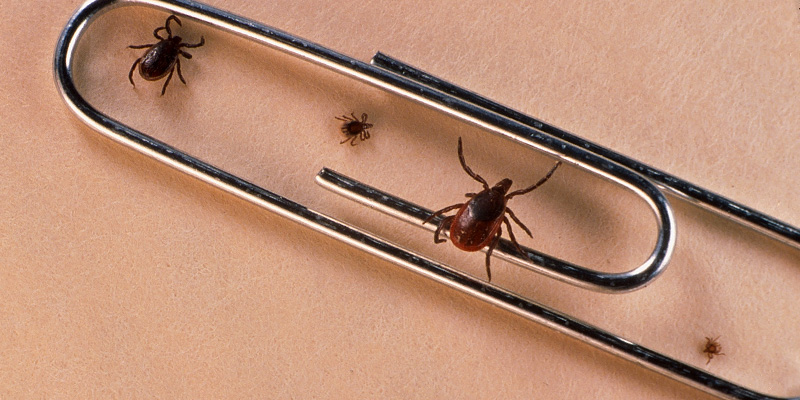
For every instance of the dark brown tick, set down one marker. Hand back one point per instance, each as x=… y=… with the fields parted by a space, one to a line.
x=161 y=59
x=477 y=222
x=713 y=348
x=354 y=129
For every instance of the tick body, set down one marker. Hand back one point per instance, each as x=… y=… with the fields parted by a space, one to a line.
x=161 y=59
x=713 y=348
x=354 y=129
x=477 y=223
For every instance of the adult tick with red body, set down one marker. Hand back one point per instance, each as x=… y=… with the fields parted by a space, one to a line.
x=478 y=221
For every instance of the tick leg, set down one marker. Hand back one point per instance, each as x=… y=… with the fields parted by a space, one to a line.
x=521 y=225
x=171 y=18
x=133 y=67
x=514 y=240
x=445 y=222
x=489 y=252
x=345 y=118
x=178 y=66
x=185 y=54
x=159 y=29
x=191 y=46
x=363 y=118
x=350 y=138
x=535 y=185
x=364 y=134
x=442 y=211
x=141 y=46
x=164 y=89
x=467 y=169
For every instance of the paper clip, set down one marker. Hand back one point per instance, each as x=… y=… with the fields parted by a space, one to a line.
x=393 y=76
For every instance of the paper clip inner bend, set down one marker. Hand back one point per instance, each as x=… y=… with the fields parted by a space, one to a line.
x=699 y=196
x=65 y=51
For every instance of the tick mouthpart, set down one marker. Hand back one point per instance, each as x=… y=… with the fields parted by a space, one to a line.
x=503 y=185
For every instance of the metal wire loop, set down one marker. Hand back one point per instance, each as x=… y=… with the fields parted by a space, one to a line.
x=495 y=122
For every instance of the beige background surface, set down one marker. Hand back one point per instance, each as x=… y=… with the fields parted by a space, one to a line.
x=123 y=278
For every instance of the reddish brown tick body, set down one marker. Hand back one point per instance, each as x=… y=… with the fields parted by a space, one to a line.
x=162 y=59
x=477 y=222
x=354 y=129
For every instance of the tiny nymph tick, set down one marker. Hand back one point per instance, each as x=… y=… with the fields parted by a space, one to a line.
x=354 y=129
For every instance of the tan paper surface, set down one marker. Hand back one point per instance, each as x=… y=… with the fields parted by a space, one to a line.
x=123 y=278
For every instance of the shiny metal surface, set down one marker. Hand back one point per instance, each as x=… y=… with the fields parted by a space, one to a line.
x=711 y=201
x=415 y=214
x=633 y=279
x=365 y=241
x=533 y=311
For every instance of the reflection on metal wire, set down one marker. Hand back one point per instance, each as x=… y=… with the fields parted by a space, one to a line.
x=568 y=151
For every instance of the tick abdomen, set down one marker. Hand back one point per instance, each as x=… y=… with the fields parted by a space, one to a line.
x=158 y=61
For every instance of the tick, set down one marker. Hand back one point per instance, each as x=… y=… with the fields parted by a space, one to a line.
x=477 y=222
x=162 y=59
x=713 y=348
x=354 y=129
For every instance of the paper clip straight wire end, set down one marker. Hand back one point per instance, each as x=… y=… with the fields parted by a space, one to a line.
x=360 y=239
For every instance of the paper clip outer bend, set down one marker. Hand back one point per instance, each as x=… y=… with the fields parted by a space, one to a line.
x=633 y=279
x=117 y=131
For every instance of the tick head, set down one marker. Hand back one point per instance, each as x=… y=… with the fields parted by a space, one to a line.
x=503 y=186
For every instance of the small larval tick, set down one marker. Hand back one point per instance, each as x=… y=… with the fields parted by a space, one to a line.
x=162 y=58
x=713 y=348
x=477 y=222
